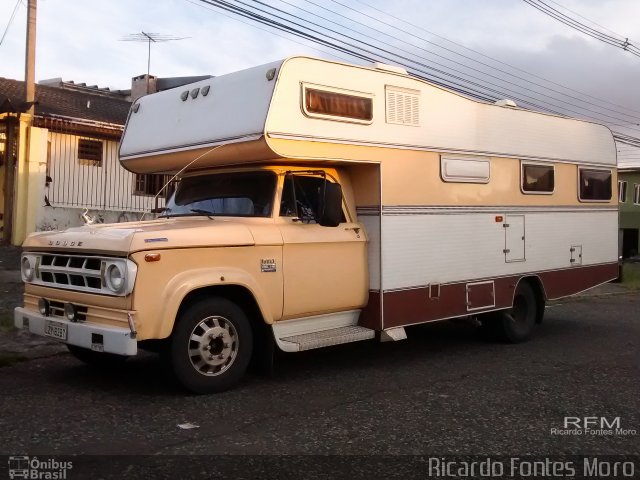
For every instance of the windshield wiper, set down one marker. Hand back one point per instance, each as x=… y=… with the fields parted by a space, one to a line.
x=200 y=211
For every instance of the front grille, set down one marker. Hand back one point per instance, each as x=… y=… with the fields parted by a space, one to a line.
x=71 y=271
x=80 y=273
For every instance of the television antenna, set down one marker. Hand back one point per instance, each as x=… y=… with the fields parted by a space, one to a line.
x=149 y=38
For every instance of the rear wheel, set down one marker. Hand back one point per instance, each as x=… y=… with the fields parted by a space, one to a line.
x=97 y=359
x=211 y=346
x=515 y=324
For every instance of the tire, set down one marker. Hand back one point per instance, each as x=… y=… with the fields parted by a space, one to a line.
x=96 y=359
x=516 y=324
x=211 y=346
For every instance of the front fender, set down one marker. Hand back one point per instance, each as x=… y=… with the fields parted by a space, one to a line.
x=176 y=290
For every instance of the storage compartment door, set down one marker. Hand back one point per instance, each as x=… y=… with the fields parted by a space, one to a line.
x=514 y=234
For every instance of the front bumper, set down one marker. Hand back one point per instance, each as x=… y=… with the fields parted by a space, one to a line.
x=114 y=340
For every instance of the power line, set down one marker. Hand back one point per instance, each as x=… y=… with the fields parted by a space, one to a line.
x=504 y=89
x=581 y=27
x=236 y=19
x=360 y=49
x=627 y=140
x=418 y=27
x=585 y=18
x=382 y=52
x=347 y=47
x=13 y=16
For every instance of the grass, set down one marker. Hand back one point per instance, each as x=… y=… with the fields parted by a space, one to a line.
x=631 y=275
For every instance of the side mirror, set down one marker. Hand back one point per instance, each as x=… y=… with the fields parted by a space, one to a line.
x=330 y=205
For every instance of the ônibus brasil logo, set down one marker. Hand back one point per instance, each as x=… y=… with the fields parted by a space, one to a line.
x=33 y=468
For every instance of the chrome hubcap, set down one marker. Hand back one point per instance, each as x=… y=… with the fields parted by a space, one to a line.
x=213 y=346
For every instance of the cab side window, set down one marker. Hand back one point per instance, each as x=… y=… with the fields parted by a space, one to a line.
x=300 y=196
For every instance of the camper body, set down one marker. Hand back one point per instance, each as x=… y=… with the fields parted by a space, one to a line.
x=321 y=203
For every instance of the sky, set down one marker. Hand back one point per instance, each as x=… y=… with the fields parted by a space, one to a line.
x=81 y=40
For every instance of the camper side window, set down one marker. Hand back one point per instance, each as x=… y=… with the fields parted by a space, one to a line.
x=537 y=178
x=594 y=185
x=465 y=170
x=336 y=104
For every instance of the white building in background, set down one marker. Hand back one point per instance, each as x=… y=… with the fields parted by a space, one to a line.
x=63 y=161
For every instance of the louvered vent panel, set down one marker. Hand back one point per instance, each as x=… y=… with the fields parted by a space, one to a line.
x=403 y=106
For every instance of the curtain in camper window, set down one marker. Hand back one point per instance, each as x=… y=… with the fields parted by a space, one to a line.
x=338 y=104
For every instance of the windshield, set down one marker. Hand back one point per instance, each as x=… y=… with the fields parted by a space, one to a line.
x=241 y=194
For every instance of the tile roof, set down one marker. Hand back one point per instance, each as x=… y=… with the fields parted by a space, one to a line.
x=69 y=103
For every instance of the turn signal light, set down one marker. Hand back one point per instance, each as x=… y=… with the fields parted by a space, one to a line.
x=152 y=257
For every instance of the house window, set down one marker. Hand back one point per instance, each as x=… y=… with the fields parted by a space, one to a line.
x=636 y=194
x=90 y=152
x=594 y=185
x=335 y=104
x=622 y=191
x=537 y=178
x=149 y=184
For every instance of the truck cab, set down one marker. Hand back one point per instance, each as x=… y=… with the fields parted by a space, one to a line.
x=232 y=252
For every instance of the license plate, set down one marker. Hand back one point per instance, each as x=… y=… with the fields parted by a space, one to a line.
x=55 y=330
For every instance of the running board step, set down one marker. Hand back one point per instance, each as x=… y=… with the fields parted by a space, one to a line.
x=326 y=338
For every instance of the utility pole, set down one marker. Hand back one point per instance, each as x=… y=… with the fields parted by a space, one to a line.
x=30 y=60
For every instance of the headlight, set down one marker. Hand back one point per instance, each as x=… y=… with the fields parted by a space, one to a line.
x=28 y=268
x=44 y=306
x=115 y=277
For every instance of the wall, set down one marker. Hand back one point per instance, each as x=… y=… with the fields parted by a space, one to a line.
x=630 y=212
x=53 y=187
x=60 y=218
x=30 y=176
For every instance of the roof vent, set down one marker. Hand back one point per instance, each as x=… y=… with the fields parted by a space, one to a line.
x=389 y=68
x=505 y=102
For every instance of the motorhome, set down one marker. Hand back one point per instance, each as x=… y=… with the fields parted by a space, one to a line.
x=316 y=203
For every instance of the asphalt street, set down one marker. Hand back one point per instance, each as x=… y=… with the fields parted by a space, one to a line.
x=445 y=390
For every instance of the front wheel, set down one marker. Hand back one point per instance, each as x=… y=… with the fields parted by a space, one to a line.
x=515 y=324
x=211 y=345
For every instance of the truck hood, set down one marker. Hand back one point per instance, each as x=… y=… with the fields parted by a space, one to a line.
x=120 y=239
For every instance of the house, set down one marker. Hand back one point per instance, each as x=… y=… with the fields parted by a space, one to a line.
x=629 y=198
x=62 y=162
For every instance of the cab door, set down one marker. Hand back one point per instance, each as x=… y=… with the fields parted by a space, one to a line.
x=324 y=268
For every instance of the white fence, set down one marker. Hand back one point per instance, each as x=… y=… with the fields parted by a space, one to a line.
x=100 y=185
